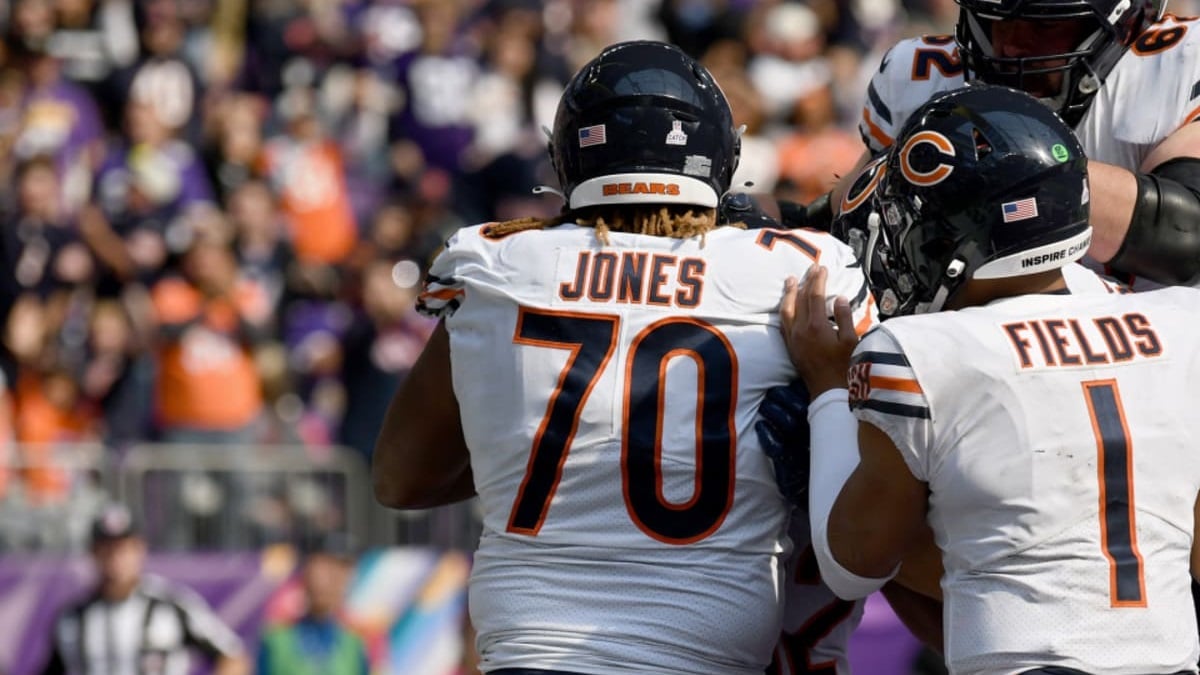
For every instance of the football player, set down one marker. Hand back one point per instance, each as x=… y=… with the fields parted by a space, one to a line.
x=817 y=625
x=594 y=379
x=1044 y=436
x=1123 y=75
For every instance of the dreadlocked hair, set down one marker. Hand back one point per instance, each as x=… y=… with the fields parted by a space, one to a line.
x=676 y=220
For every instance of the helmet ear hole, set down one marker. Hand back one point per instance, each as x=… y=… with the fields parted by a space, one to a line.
x=983 y=147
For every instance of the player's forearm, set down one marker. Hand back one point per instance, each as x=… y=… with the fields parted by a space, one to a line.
x=1114 y=193
x=834 y=460
x=421 y=459
x=922 y=568
x=413 y=469
x=1163 y=239
x=460 y=489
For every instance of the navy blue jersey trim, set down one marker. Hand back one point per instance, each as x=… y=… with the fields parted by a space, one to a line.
x=877 y=103
x=893 y=408
x=882 y=358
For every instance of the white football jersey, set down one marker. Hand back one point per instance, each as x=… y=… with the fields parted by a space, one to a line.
x=608 y=395
x=1083 y=280
x=817 y=624
x=1056 y=436
x=1152 y=91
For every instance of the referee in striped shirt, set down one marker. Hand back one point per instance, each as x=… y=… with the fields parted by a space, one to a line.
x=137 y=624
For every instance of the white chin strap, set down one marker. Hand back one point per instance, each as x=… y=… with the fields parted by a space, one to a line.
x=643 y=188
x=546 y=189
x=953 y=271
x=1033 y=261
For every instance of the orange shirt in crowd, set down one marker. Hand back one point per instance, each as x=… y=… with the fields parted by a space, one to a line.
x=311 y=184
x=48 y=411
x=8 y=435
x=207 y=378
x=814 y=162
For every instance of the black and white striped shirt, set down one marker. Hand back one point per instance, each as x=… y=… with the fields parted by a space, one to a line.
x=148 y=633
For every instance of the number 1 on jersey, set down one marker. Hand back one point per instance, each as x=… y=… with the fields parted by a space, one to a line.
x=1118 y=533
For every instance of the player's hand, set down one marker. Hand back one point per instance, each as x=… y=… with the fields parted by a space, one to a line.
x=740 y=207
x=816 y=215
x=820 y=350
x=782 y=430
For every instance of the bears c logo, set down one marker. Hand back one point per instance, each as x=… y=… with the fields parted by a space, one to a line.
x=934 y=175
x=869 y=179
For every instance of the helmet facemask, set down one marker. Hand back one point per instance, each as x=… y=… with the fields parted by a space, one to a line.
x=1106 y=31
x=876 y=233
x=912 y=272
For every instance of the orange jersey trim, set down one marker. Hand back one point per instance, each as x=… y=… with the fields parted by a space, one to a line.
x=444 y=294
x=876 y=133
x=896 y=384
x=864 y=324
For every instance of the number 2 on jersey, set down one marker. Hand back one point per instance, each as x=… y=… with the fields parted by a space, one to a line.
x=1118 y=532
x=925 y=60
x=591 y=339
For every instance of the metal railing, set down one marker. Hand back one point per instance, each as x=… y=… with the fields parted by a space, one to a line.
x=243 y=496
x=454 y=527
x=48 y=494
x=211 y=497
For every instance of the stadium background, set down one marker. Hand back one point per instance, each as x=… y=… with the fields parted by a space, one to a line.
x=216 y=217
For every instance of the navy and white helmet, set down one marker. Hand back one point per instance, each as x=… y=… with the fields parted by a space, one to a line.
x=1112 y=26
x=643 y=123
x=983 y=182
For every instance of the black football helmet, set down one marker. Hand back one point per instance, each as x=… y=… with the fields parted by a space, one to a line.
x=858 y=224
x=983 y=182
x=1113 y=25
x=643 y=122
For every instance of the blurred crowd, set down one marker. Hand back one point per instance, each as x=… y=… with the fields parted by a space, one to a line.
x=217 y=213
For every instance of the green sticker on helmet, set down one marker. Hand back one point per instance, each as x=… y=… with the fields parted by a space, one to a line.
x=1060 y=152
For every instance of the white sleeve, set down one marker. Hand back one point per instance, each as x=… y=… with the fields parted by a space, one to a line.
x=877 y=126
x=834 y=457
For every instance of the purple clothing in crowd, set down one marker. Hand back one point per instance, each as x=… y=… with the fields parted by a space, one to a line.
x=438 y=92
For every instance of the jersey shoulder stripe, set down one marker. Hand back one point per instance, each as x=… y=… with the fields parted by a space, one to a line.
x=881 y=379
x=887 y=393
x=881 y=109
x=884 y=358
x=445 y=286
x=893 y=408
